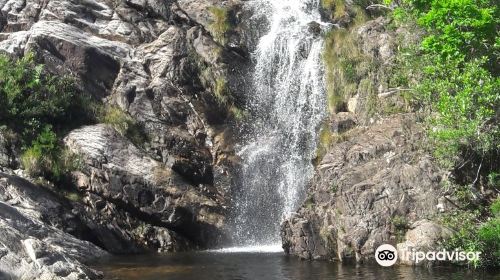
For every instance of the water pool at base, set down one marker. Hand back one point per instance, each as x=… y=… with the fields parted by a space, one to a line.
x=238 y=265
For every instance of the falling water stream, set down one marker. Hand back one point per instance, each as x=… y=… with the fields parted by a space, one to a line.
x=286 y=104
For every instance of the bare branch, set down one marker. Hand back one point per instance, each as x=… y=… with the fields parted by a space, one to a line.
x=377 y=6
x=391 y=91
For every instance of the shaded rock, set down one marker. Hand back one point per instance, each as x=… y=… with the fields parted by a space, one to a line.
x=314 y=28
x=342 y=122
x=9 y=148
x=123 y=181
x=138 y=55
x=158 y=62
x=64 y=47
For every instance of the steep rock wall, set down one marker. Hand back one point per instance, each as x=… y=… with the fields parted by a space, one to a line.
x=179 y=76
x=374 y=182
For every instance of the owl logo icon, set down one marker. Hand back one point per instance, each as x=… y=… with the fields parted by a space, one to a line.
x=386 y=255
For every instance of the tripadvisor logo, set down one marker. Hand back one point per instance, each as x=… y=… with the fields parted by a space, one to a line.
x=387 y=255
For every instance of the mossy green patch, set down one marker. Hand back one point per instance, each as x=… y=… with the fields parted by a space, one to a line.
x=220 y=24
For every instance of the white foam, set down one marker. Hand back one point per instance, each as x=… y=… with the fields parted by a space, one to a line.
x=274 y=248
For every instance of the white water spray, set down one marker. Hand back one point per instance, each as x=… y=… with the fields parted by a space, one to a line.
x=287 y=105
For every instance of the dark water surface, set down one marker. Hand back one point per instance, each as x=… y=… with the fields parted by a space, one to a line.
x=216 y=265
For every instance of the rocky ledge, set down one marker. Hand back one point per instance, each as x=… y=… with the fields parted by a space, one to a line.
x=132 y=202
x=33 y=244
x=375 y=187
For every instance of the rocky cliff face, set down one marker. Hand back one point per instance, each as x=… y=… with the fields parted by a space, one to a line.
x=177 y=68
x=374 y=183
x=34 y=235
x=369 y=190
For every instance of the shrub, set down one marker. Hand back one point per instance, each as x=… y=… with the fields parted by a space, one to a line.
x=463 y=87
x=470 y=233
x=495 y=208
x=459 y=29
x=466 y=100
x=489 y=234
x=46 y=158
x=453 y=74
x=464 y=227
x=40 y=159
x=31 y=98
x=39 y=106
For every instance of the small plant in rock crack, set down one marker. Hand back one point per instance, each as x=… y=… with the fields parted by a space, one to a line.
x=334 y=187
x=220 y=24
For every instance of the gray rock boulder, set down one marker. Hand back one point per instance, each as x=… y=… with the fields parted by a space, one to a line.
x=123 y=183
x=422 y=236
x=368 y=190
x=32 y=245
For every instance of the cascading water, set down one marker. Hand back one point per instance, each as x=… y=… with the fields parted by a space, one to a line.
x=287 y=105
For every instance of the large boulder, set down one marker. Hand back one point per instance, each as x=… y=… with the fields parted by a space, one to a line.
x=368 y=191
x=141 y=200
x=32 y=245
x=422 y=236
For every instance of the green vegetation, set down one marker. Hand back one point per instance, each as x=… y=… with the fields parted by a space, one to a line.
x=454 y=76
x=238 y=114
x=38 y=107
x=451 y=71
x=31 y=99
x=446 y=71
x=326 y=138
x=220 y=24
x=400 y=225
x=46 y=158
x=123 y=123
x=341 y=58
x=334 y=188
x=337 y=7
x=221 y=91
x=223 y=96
x=214 y=79
x=472 y=233
x=489 y=235
x=344 y=62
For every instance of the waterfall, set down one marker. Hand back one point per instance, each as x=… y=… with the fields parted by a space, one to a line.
x=286 y=104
